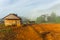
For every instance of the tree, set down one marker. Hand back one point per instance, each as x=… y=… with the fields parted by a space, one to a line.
x=58 y=19
x=41 y=19
x=52 y=18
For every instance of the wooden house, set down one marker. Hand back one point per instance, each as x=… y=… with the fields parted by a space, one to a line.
x=12 y=19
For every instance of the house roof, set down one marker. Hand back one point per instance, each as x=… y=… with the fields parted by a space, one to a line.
x=12 y=16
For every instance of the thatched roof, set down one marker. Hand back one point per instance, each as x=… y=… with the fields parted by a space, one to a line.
x=12 y=16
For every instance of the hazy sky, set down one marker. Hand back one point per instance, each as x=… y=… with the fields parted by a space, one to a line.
x=27 y=8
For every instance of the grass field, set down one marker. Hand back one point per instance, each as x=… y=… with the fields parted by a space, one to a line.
x=31 y=32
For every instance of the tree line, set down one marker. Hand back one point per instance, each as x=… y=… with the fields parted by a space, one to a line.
x=53 y=18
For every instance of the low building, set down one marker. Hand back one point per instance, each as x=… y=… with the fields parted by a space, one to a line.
x=12 y=19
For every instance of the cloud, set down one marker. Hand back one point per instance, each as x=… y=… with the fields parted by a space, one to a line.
x=28 y=8
x=4 y=3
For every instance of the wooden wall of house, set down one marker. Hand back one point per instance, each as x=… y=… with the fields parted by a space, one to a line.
x=12 y=22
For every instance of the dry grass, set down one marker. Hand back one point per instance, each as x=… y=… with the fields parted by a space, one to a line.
x=37 y=32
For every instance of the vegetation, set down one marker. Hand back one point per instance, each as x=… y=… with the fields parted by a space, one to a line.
x=53 y=18
x=31 y=31
x=7 y=33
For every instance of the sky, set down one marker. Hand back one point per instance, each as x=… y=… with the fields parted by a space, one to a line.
x=26 y=8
